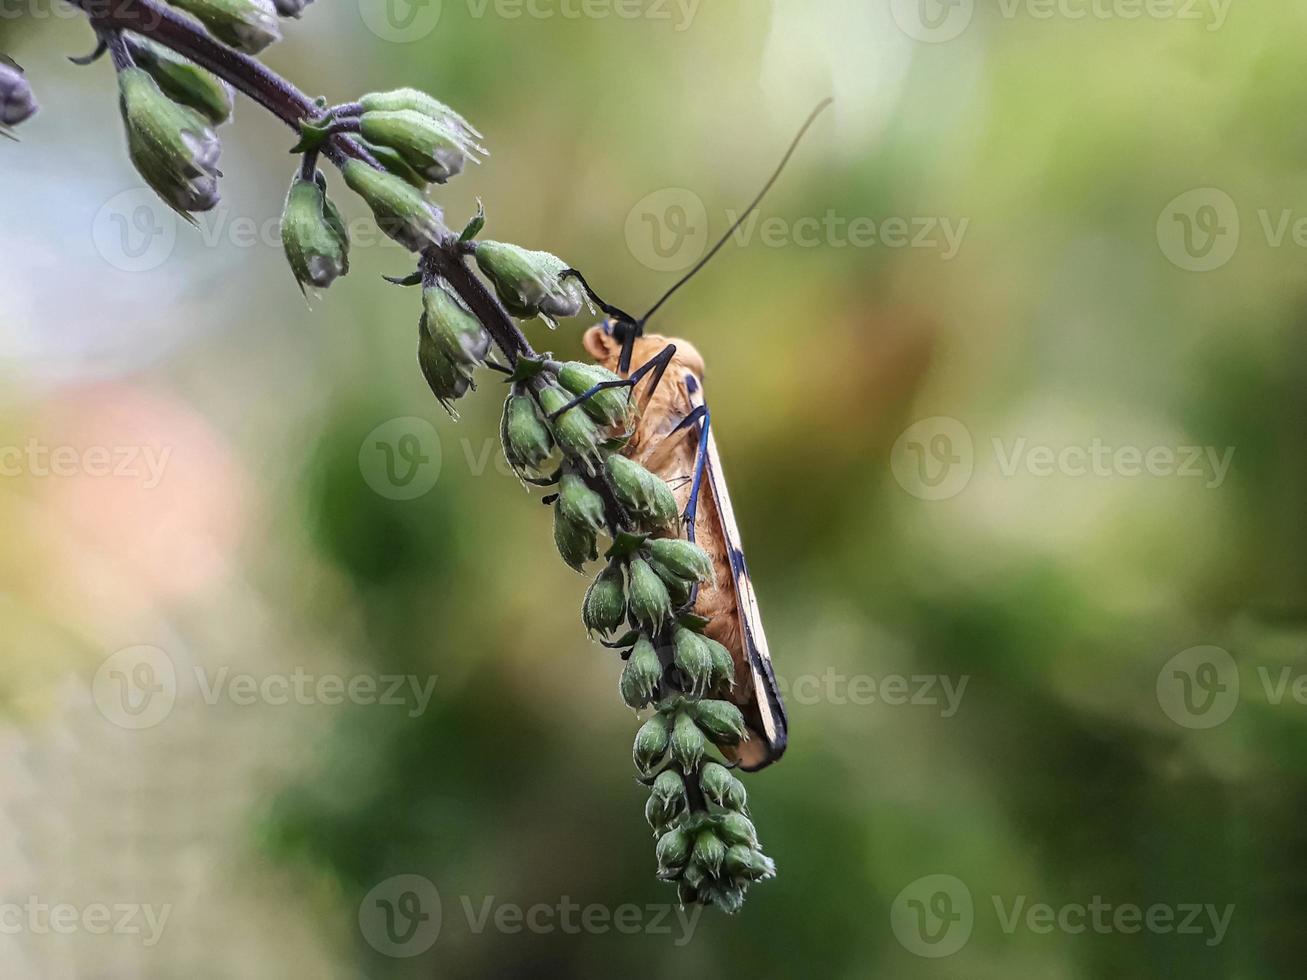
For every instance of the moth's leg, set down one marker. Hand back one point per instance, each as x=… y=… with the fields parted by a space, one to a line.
x=704 y=419
x=658 y=364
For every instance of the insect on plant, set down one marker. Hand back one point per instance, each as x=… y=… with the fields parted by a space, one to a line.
x=624 y=444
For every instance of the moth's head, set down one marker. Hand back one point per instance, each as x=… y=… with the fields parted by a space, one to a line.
x=605 y=347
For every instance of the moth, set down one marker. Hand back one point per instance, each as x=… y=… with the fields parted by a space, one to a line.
x=673 y=439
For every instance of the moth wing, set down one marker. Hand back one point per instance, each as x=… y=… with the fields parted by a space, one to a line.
x=771 y=709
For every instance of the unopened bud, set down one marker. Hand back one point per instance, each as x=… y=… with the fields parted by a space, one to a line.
x=715 y=780
x=670 y=787
x=693 y=659
x=313 y=235
x=682 y=558
x=398 y=100
x=673 y=851
x=656 y=813
x=748 y=863
x=642 y=675
x=577 y=545
x=688 y=743
x=610 y=406
x=642 y=492
x=736 y=828
x=246 y=25
x=529 y=283
x=604 y=608
x=575 y=432
x=721 y=721
x=427 y=146
x=183 y=81
x=723 y=665
x=173 y=147
x=455 y=330
x=390 y=160
x=525 y=437
x=649 y=602
x=400 y=209
x=580 y=504
x=709 y=851
x=17 y=103
x=650 y=743
x=448 y=380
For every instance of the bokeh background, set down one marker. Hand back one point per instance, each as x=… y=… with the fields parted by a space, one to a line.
x=1008 y=382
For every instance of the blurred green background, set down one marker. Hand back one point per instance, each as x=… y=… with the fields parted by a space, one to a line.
x=1034 y=254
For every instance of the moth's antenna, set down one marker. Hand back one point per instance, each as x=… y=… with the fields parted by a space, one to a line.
x=747 y=211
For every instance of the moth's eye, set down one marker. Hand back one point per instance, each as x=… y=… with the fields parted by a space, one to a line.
x=691 y=384
x=608 y=327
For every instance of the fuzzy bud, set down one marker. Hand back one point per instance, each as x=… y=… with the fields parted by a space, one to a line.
x=183 y=81
x=425 y=145
x=246 y=25
x=575 y=432
x=313 y=235
x=670 y=787
x=529 y=283
x=688 y=743
x=693 y=659
x=744 y=861
x=651 y=743
x=723 y=665
x=682 y=558
x=448 y=380
x=642 y=675
x=401 y=210
x=721 y=721
x=609 y=406
x=173 y=147
x=458 y=334
x=523 y=433
x=709 y=851
x=577 y=545
x=605 y=602
x=673 y=852
x=649 y=602
x=736 y=828
x=401 y=99
x=715 y=781
x=642 y=492
x=581 y=505
x=17 y=103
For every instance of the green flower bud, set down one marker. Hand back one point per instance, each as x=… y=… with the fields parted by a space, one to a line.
x=401 y=210
x=575 y=433
x=173 y=147
x=670 y=787
x=736 y=828
x=715 y=781
x=737 y=798
x=435 y=152
x=721 y=721
x=657 y=815
x=673 y=851
x=640 y=491
x=401 y=99
x=183 y=81
x=525 y=437
x=313 y=235
x=448 y=380
x=709 y=851
x=610 y=406
x=677 y=587
x=663 y=512
x=576 y=544
x=459 y=335
x=728 y=898
x=642 y=675
x=246 y=25
x=682 y=558
x=530 y=283
x=743 y=861
x=392 y=161
x=290 y=8
x=17 y=103
x=723 y=665
x=605 y=602
x=651 y=743
x=694 y=660
x=649 y=602
x=688 y=743
x=580 y=504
